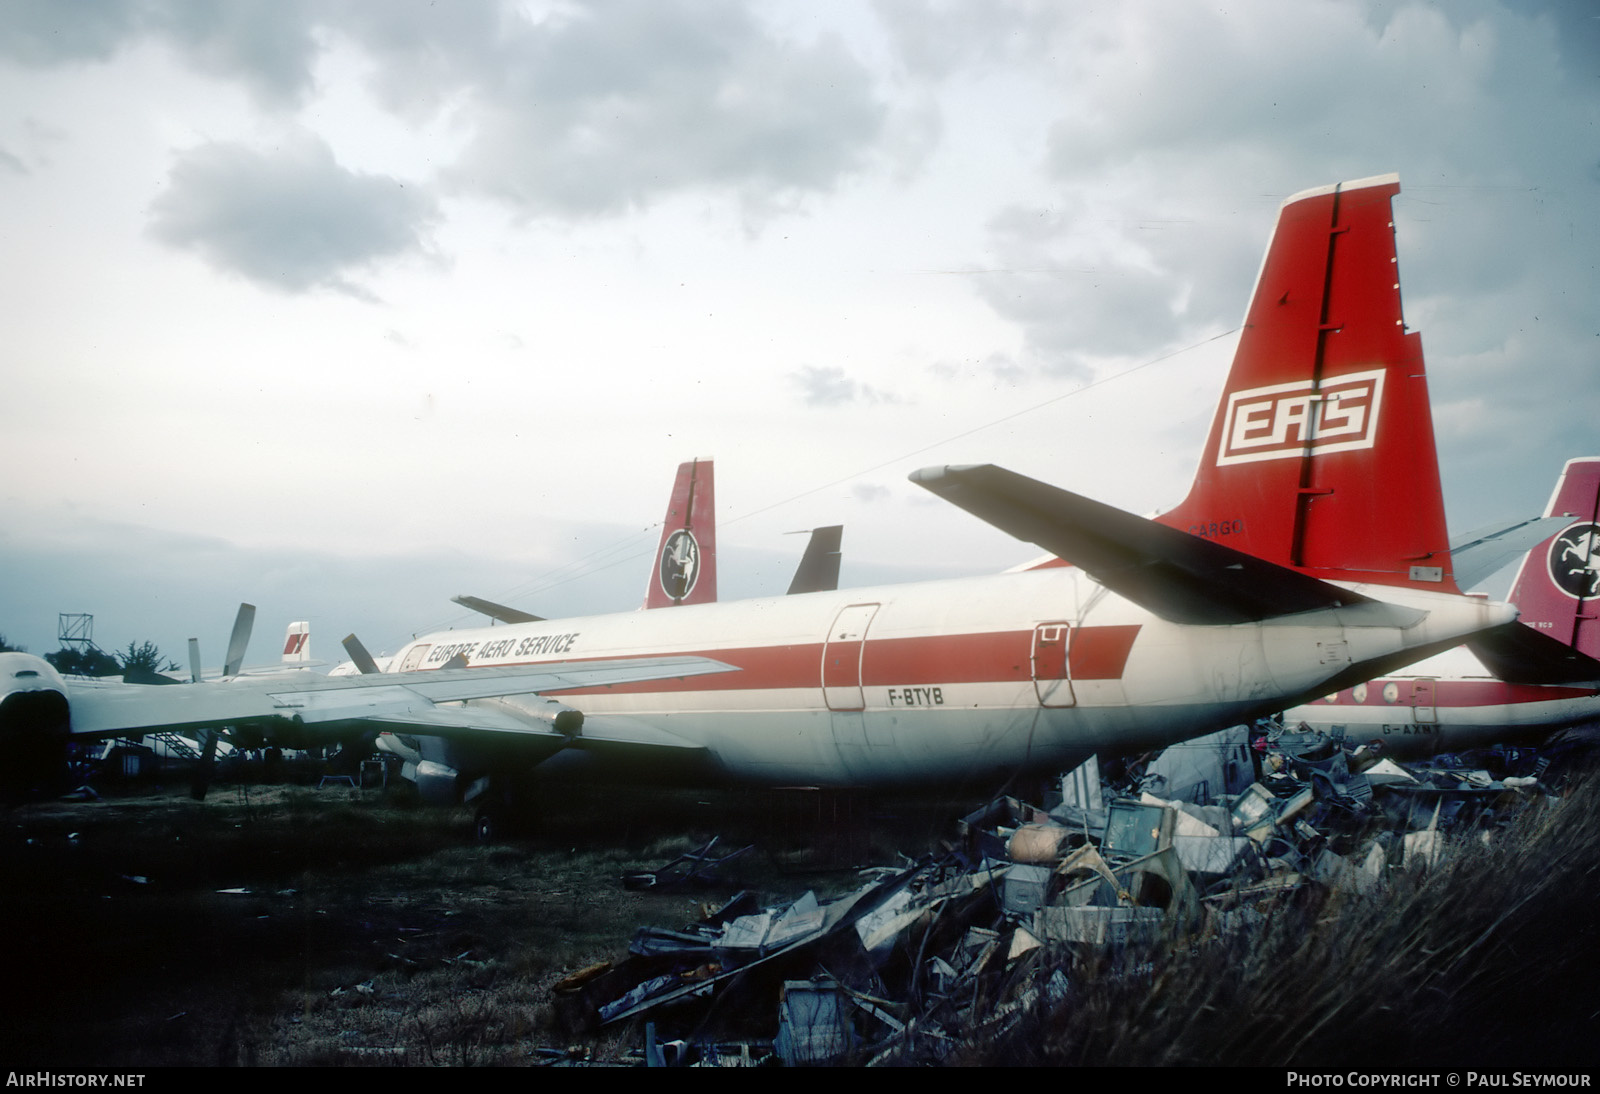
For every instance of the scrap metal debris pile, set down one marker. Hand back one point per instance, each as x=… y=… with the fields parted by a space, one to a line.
x=1203 y=839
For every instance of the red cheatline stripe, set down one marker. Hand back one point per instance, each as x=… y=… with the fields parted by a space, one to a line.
x=1097 y=653
x=1101 y=653
x=1462 y=693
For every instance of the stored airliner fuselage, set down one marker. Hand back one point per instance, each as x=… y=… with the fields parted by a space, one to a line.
x=1284 y=575
x=944 y=680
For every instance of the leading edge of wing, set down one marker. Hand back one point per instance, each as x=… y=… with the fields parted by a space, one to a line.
x=1171 y=573
x=103 y=712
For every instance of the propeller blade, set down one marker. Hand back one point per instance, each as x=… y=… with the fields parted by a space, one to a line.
x=241 y=638
x=358 y=653
x=194 y=660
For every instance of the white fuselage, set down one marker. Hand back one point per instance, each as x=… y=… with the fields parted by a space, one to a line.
x=1446 y=704
x=943 y=680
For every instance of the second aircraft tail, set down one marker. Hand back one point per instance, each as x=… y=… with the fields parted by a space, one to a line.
x=685 y=569
x=1557 y=588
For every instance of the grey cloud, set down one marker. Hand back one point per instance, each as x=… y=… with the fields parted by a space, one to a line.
x=1487 y=111
x=45 y=32
x=1206 y=160
x=1577 y=33
x=268 y=44
x=625 y=103
x=587 y=110
x=831 y=387
x=428 y=54
x=996 y=368
x=937 y=38
x=1084 y=287
x=292 y=219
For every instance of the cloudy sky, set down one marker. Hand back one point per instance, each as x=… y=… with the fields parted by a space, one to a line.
x=344 y=307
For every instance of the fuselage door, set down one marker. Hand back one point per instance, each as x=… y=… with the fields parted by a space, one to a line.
x=414 y=658
x=1422 y=701
x=1051 y=679
x=841 y=657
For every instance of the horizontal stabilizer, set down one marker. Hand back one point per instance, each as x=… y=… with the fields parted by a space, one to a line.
x=1518 y=654
x=498 y=612
x=818 y=571
x=1177 y=576
x=1478 y=554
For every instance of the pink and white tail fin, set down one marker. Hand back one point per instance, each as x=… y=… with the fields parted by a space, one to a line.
x=297 y=644
x=1557 y=588
x=685 y=567
x=1321 y=455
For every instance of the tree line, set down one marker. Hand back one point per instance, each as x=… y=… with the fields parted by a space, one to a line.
x=140 y=662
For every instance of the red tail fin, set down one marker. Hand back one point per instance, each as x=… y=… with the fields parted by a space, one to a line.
x=1321 y=455
x=1558 y=585
x=685 y=569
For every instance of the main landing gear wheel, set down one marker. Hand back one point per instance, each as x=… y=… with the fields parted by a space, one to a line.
x=490 y=824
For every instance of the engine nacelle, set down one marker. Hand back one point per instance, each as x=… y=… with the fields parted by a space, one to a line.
x=449 y=771
x=35 y=726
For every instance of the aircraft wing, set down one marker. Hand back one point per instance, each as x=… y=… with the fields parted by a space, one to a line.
x=599 y=732
x=407 y=701
x=1177 y=576
x=495 y=611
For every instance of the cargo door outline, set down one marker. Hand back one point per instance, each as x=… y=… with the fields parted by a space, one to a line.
x=1423 y=711
x=1052 y=674
x=414 y=658
x=842 y=652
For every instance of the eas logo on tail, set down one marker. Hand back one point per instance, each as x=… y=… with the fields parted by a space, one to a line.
x=1339 y=414
x=1573 y=565
x=680 y=563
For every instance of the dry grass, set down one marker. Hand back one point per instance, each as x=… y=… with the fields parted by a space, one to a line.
x=1489 y=960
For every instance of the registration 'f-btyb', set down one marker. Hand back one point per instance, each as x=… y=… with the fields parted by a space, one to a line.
x=1310 y=554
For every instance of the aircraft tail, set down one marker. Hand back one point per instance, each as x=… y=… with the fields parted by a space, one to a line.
x=1321 y=455
x=297 y=644
x=685 y=568
x=1557 y=588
